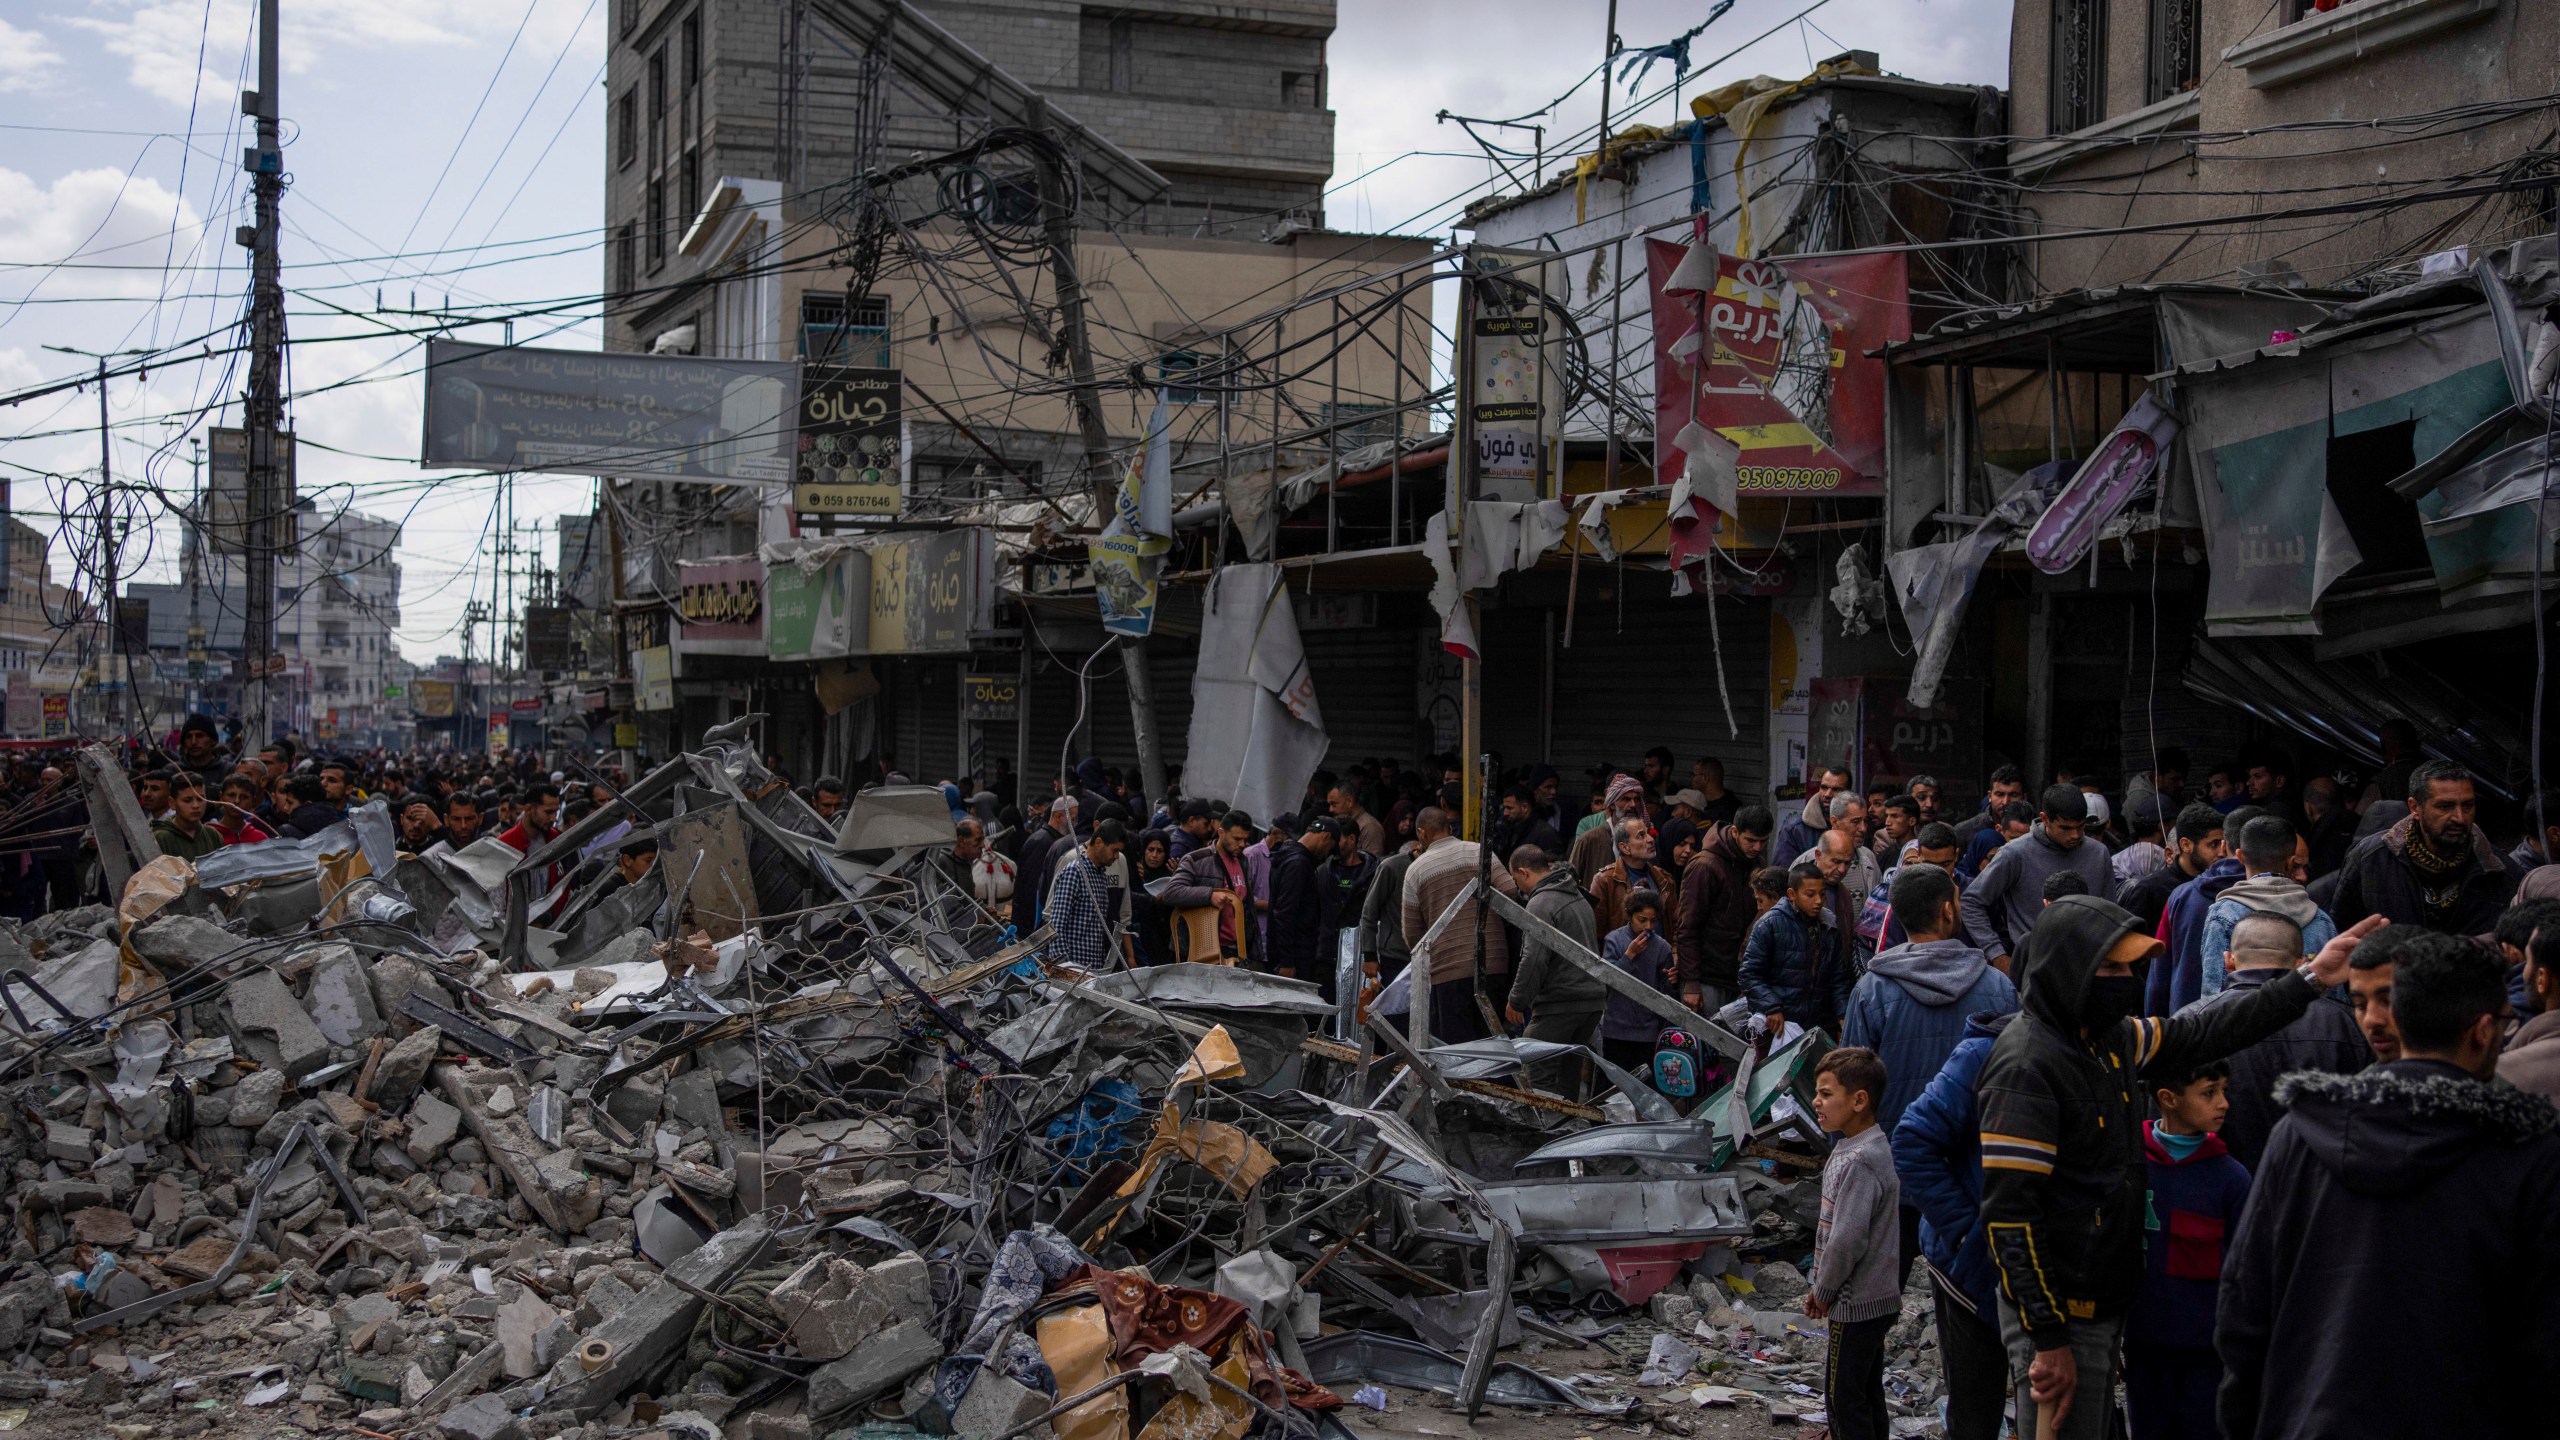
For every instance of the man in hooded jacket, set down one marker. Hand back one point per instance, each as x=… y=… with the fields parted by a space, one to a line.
x=1912 y=1005
x=2062 y=1101
x=2272 y=857
x=2420 y=1177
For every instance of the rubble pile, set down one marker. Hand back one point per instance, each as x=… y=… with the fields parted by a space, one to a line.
x=788 y=1139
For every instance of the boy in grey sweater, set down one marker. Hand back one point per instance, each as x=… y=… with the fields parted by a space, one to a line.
x=1857 y=1261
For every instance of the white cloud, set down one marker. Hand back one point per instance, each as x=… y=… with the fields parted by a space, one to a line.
x=162 y=41
x=27 y=59
x=18 y=371
x=90 y=218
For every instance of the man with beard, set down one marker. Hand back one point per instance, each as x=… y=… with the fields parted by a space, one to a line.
x=2433 y=869
x=2064 y=1177
x=2421 y=1165
x=1716 y=910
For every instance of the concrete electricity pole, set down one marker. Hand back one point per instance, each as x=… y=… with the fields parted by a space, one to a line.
x=269 y=521
x=1058 y=213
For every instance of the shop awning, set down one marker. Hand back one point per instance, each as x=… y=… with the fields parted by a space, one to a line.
x=2342 y=702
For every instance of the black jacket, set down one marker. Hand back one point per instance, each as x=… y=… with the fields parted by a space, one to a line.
x=2381 y=881
x=2326 y=1039
x=2062 y=1164
x=2148 y=896
x=1297 y=910
x=2409 y=1183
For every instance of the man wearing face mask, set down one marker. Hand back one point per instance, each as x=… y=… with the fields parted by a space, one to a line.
x=2062 y=1105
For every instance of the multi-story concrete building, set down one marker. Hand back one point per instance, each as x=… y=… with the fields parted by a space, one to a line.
x=48 y=638
x=2289 y=226
x=337 y=606
x=885 y=184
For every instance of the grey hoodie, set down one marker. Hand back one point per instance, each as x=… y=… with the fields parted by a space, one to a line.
x=1936 y=972
x=2002 y=903
x=2274 y=895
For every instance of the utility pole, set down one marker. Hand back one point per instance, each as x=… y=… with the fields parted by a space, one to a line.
x=192 y=547
x=269 y=522
x=1057 y=209
x=110 y=517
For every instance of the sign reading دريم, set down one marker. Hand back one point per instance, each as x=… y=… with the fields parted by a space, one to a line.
x=990 y=697
x=1775 y=359
x=851 y=461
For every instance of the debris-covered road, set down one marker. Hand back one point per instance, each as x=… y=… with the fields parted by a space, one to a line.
x=788 y=1138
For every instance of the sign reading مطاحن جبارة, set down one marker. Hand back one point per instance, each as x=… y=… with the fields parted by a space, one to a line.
x=850 y=459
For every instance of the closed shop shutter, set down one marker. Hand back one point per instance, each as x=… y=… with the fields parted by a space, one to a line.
x=1624 y=688
x=1365 y=687
x=924 y=719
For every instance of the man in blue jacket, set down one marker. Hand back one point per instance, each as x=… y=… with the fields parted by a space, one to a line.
x=1937 y=1157
x=1912 y=1004
x=1795 y=965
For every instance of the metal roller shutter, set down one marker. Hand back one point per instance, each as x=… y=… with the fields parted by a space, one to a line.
x=1624 y=688
x=1365 y=686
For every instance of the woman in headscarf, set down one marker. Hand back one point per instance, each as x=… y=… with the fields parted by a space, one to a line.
x=1150 y=921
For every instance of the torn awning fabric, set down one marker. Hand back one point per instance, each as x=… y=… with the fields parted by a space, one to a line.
x=1256 y=732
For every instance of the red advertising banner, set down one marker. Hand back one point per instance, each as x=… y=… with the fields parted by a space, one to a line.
x=1778 y=366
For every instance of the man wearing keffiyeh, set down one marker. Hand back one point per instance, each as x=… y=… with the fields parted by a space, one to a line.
x=2434 y=869
x=1596 y=847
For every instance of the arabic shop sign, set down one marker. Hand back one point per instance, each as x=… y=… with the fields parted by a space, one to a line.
x=850 y=455
x=720 y=607
x=819 y=611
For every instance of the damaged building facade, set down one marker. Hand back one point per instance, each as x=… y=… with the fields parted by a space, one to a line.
x=1028 y=225
x=2219 y=475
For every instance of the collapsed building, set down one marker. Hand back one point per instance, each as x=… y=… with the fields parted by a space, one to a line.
x=789 y=1137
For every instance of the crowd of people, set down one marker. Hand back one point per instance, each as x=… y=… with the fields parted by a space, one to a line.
x=2160 y=1086
x=2182 y=1088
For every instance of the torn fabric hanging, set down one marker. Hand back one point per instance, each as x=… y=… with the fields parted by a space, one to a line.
x=1256 y=734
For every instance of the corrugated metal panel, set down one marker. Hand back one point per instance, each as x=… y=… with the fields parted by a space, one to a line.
x=1365 y=686
x=924 y=719
x=1624 y=688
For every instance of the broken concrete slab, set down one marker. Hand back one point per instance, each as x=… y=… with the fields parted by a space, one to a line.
x=432 y=1126
x=877 y=1366
x=995 y=1405
x=340 y=997
x=693 y=1098
x=272 y=1027
x=521 y=1322
x=566 y=1202
x=828 y=1307
x=404 y=1068
x=173 y=941
x=482 y=1417
x=638 y=1339
x=255 y=1100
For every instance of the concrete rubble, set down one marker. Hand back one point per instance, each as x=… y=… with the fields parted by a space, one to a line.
x=492 y=1148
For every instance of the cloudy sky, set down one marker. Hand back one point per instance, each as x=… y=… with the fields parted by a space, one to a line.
x=450 y=152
